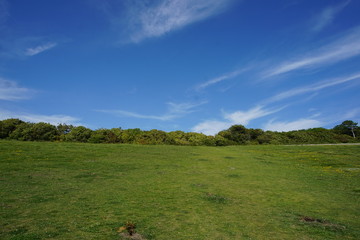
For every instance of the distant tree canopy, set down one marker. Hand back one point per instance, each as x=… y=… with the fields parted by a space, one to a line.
x=8 y=126
x=347 y=131
x=348 y=127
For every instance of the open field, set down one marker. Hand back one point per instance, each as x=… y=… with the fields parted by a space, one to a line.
x=87 y=191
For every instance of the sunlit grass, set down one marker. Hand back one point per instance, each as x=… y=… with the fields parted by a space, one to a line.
x=88 y=191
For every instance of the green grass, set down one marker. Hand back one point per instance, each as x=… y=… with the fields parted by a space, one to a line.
x=88 y=191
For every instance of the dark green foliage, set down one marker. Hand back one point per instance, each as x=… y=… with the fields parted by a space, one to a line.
x=43 y=132
x=348 y=127
x=347 y=132
x=179 y=138
x=78 y=134
x=221 y=141
x=103 y=136
x=22 y=132
x=129 y=135
x=197 y=139
x=255 y=133
x=35 y=132
x=64 y=128
x=153 y=137
x=268 y=138
x=236 y=133
x=8 y=126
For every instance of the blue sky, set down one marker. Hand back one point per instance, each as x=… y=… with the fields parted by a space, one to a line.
x=191 y=65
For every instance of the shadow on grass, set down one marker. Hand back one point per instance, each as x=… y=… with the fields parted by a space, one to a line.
x=215 y=198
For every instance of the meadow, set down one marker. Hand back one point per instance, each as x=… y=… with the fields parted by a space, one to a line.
x=60 y=190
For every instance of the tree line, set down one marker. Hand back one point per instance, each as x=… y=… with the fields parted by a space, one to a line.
x=16 y=129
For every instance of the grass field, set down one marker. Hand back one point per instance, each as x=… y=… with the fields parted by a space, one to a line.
x=87 y=191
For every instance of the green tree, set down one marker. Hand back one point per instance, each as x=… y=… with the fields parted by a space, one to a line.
x=153 y=136
x=22 y=132
x=78 y=134
x=221 y=141
x=98 y=136
x=254 y=134
x=43 y=132
x=7 y=126
x=129 y=135
x=64 y=128
x=347 y=127
x=236 y=133
x=103 y=135
x=35 y=132
x=197 y=139
x=178 y=138
x=116 y=135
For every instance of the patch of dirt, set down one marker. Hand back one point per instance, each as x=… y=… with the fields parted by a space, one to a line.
x=135 y=236
x=321 y=222
x=199 y=185
x=310 y=219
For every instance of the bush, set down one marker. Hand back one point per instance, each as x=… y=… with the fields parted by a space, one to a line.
x=22 y=132
x=236 y=134
x=8 y=126
x=43 y=132
x=78 y=134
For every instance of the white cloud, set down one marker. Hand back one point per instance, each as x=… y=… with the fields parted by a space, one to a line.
x=211 y=127
x=294 y=125
x=164 y=117
x=10 y=91
x=175 y=110
x=244 y=117
x=220 y=78
x=353 y=113
x=39 y=49
x=312 y=88
x=327 y=16
x=341 y=49
x=168 y=15
x=35 y=118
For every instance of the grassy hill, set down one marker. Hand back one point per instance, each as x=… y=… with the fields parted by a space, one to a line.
x=87 y=191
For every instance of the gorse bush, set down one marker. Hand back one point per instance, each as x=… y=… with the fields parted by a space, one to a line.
x=17 y=129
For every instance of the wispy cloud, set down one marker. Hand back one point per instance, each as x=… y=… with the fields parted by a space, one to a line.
x=35 y=118
x=341 y=49
x=163 y=16
x=244 y=117
x=10 y=91
x=175 y=110
x=327 y=16
x=22 y=47
x=39 y=49
x=211 y=127
x=353 y=113
x=294 y=125
x=312 y=88
x=221 y=78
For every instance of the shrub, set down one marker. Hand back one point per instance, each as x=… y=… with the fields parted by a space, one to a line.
x=8 y=126
x=78 y=134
